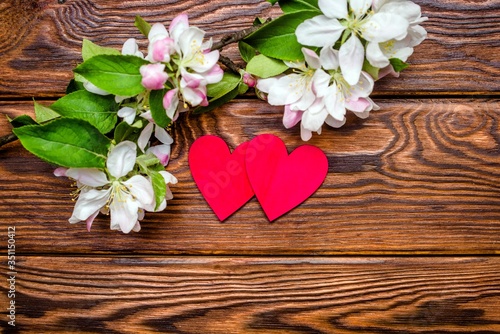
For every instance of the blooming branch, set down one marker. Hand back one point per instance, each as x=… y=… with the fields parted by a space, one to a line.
x=110 y=133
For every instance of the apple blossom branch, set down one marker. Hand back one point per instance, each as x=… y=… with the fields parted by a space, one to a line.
x=226 y=61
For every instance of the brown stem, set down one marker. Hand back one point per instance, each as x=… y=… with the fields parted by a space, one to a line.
x=236 y=37
x=229 y=64
x=233 y=38
x=7 y=139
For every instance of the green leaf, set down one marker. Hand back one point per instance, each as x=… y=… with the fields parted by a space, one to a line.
x=142 y=25
x=242 y=88
x=66 y=142
x=371 y=70
x=227 y=84
x=277 y=39
x=22 y=120
x=246 y=51
x=148 y=161
x=218 y=101
x=43 y=113
x=125 y=131
x=157 y=110
x=291 y=6
x=265 y=67
x=398 y=64
x=116 y=74
x=272 y=1
x=90 y=50
x=159 y=187
x=100 y=111
x=73 y=86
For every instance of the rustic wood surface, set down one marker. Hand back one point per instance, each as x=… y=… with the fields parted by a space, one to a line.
x=403 y=236
x=258 y=295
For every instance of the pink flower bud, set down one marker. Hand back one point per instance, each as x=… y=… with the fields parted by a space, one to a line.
x=249 y=80
x=153 y=76
x=162 y=49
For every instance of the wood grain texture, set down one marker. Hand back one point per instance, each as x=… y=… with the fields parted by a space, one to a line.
x=257 y=295
x=40 y=41
x=418 y=176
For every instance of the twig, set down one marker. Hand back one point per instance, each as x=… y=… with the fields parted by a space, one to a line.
x=236 y=37
x=229 y=64
x=7 y=139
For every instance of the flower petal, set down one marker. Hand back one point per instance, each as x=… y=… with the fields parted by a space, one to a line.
x=144 y=137
x=162 y=135
x=153 y=76
x=358 y=106
x=130 y=47
x=195 y=96
x=168 y=177
x=204 y=62
x=213 y=75
x=178 y=25
x=89 y=202
x=90 y=87
x=92 y=177
x=416 y=35
x=128 y=114
x=311 y=58
x=265 y=85
x=314 y=119
x=407 y=9
x=320 y=83
x=60 y=171
x=141 y=190
x=375 y=55
x=161 y=49
x=363 y=88
x=124 y=212
x=162 y=152
x=287 y=90
x=319 y=31
x=121 y=159
x=190 y=41
x=305 y=134
x=329 y=58
x=157 y=31
x=90 y=220
x=334 y=123
x=383 y=27
x=291 y=117
x=351 y=58
x=336 y=9
x=360 y=7
x=171 y=102
x=334 y=103
x=389 y=70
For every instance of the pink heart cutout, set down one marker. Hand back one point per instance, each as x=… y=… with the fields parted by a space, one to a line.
x=220 y=175
x=281 y=181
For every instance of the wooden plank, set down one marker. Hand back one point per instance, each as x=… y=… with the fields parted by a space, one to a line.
x=40 y=41
x=418 y=176
x=256 y=295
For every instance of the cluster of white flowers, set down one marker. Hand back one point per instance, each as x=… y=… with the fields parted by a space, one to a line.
x=120 y=190
x=190 y=64
x=181 y=66
x=322 y=88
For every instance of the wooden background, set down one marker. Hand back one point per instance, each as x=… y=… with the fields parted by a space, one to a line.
x=403 y=237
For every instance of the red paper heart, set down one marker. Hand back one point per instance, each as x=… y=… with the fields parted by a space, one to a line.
x=220 y=175
x=281 y=181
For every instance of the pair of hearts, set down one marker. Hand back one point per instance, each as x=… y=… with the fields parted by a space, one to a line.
x=262 y=167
